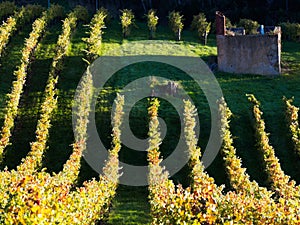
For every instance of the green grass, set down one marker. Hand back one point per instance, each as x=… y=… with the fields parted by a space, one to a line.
x=131 y=204
x=130 y=207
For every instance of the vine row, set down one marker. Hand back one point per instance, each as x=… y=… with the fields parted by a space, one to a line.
x=34 y=158
x=38 y=28
x=293 y=123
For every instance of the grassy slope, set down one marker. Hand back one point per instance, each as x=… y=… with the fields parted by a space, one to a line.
x=130 y=205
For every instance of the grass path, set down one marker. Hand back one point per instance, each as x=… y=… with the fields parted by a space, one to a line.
x=130 y=207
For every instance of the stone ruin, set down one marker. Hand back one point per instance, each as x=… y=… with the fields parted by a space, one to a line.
x=248 y=54
x=171 y=88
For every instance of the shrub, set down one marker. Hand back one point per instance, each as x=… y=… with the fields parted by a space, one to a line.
x=27 y=14
x=33 y=11
x=249 y=25
x=7 y=8
x=56 y=11
x=81 y=13
x=127 y=20
x=290 y=31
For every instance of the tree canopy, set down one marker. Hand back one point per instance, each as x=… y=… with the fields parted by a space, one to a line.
x=269 y=12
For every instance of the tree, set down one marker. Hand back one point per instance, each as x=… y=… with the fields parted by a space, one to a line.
x=176 y=23
x=152 y=22
x=127 y=20
x=249 y=25
x=200 y=24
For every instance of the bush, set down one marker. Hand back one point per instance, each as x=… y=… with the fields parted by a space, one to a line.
x=56 y=11
x=7 y=8
x=32 y=12
x=249 y=25
x=290 y=31
x=81 y=13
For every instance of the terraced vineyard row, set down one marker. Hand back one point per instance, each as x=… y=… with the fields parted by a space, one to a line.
x=15 y=22
x=31 y=195
x=38 y=27
x=204 y=202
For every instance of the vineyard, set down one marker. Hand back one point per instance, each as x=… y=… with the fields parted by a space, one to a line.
x=46 y=53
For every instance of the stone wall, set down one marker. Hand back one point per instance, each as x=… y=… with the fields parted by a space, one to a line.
x=249 y=54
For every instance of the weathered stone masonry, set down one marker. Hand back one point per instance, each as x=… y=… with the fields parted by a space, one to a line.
x=249 y=54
